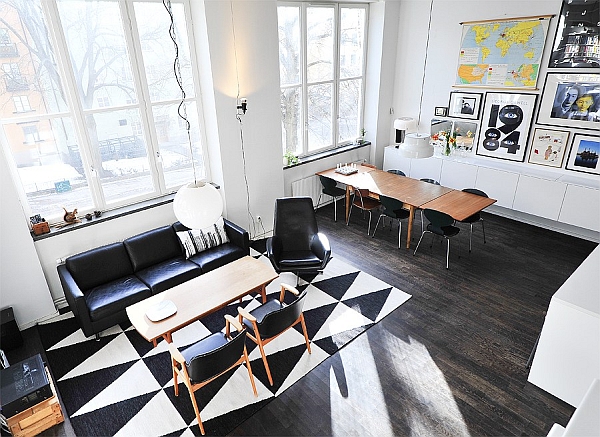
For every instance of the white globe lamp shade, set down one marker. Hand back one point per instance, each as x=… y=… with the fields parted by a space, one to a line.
x=198 y=205
x=407 y=124
x=416 y=146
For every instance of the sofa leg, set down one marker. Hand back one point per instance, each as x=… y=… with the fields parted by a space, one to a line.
x=97 y=336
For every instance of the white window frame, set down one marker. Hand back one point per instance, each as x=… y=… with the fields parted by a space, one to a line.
x=336 y=73
x=142 y=102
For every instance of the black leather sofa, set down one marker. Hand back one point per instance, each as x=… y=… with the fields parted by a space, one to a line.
x=101 y=283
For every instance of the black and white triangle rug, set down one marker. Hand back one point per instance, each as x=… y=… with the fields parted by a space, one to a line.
x=123 y=386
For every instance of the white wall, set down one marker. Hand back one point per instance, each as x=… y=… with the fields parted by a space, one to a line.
x=22 y=283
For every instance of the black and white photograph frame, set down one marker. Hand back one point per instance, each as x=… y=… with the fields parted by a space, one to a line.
x=548 y=147
x=584 y=154
x=576 y=33
x=565 y=99
x=504 y=128
x=464 y=105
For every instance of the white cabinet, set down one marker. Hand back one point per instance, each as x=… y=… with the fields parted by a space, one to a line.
x=567 y=358
x=458 y=175
x=498 y=184
x=581 y=207
x=428 y=168
x=541 y=197
x=393 y=161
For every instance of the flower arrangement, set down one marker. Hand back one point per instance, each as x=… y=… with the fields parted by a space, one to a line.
x=447 y=139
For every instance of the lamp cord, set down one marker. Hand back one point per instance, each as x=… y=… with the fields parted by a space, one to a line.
x=425 y=64
x=181 y=108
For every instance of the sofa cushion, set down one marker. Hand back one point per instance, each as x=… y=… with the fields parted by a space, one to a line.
x=198 y=240
x=153 y=247
x=168 y=274
x=100 y=265
x=218 y=256
x=114 y=296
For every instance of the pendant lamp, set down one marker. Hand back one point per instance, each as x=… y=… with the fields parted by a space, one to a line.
x=198 y=205
x=416 y=145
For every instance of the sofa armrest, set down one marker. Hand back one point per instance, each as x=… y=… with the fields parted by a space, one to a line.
x=76 y=299
x=238 y=236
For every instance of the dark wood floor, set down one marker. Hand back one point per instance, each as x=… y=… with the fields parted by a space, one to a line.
x=451 y=360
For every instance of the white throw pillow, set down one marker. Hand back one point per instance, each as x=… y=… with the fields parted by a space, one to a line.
x=197 y=240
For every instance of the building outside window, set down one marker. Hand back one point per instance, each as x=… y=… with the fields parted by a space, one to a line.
x=98 y=120
x=322 y=66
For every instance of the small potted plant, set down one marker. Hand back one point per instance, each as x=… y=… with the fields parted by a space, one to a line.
x=289 y=158
x=361 y=138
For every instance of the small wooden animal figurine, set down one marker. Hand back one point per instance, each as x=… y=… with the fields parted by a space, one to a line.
x=70 y=217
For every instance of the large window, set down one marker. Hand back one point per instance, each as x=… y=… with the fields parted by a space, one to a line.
x=321 y=66
x=90 y=105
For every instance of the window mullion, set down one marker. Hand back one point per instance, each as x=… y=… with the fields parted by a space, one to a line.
x=144 y=104
x=74 y=102
x=336 y=76
x=304 y=76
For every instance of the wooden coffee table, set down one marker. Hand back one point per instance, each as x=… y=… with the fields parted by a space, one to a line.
x=201 y=296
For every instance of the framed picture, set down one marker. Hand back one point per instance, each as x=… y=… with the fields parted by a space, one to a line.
x=464 y=105
x=584 y=154
x=571 y=100
x=576 y=43
x=505 y=125
x=466 y=132
x=548 y=147
x=441 y=111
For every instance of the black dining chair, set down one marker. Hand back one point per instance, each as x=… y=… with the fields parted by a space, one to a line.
x=330 y=188
x=439 y=224
x=429 y=181
x=209 y=358
x=475 y=218
x=271 y=319
x=394 y=209
x=398 y=172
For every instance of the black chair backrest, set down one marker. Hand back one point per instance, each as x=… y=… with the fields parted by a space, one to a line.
x=475 y=191
x=327 y=182
x=277 y=321
x=295 y=223
x=391 y=204
x=398 y=172
x=430 y=181
x=437 y=220
x=205 y=366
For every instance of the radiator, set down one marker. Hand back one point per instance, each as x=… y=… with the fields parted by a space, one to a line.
x=311 y=187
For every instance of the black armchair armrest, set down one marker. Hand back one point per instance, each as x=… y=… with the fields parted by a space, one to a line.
x=237 y=235
x=76 y=300
x=320 y=246
x=274 y=248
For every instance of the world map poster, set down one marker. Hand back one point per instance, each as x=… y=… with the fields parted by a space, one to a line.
x=502 y=54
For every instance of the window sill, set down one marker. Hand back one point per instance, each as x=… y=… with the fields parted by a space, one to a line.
x=107 y=215
x=327 y=153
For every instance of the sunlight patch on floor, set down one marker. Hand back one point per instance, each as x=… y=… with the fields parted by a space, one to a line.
x=430 y=408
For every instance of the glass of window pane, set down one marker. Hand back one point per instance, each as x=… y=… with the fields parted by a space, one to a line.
x=289 y=44
x=291 y=102
x=94 y=31
x=352 y=26
x=158 y=50
x=49 y=166
x=119 y=155
x=349 y=109
x=319 y=43
x=319 y=116
x=180 y=165
x=29 y=72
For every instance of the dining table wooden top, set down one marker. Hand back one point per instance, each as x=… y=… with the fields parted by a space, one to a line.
x=459 y=204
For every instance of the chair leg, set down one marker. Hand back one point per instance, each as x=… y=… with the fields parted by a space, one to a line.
x=175 y=383
x=264 y=358
x=376 y=225
x=447 y=252
x=470 y=237
x=305 y=333
x=483 y=230
x=399 y=232
x=318 y=201
x=250 y=371
x=369 y=226
x=417 y=248
x=335 y=209
x=197 y=411
x=349 y=213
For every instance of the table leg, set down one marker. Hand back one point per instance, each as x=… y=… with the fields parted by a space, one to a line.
x=263 y=293
x=411 y=210
x=347 y=202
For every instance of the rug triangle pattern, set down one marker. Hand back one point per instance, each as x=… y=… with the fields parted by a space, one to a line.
x=121 y=385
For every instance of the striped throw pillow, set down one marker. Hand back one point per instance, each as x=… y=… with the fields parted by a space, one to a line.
x=197 y=240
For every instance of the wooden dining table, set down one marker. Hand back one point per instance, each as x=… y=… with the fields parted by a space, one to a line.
x=415 y=194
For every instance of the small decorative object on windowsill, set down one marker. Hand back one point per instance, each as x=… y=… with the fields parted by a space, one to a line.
x=361 y=138
x=290 y=159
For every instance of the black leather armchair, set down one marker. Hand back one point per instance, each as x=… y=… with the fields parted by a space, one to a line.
x=297 y=245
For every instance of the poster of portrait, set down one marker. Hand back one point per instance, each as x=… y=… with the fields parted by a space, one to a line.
x=505 y=125
x=571 y=100
x=548 y=147
x=584 y=154
x=464 y=105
